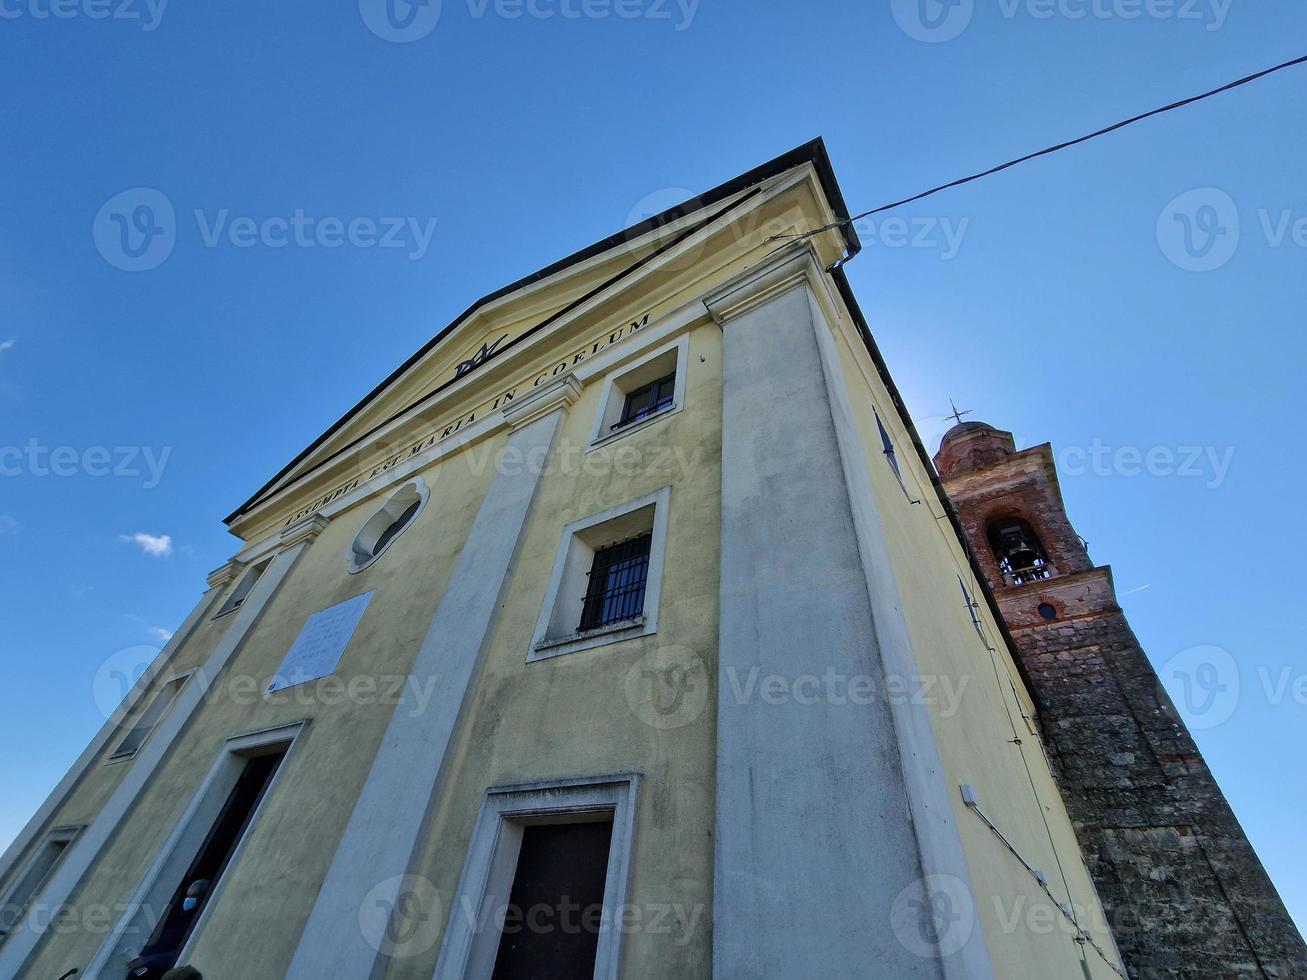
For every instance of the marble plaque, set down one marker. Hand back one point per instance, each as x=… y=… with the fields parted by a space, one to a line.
x=321 y=643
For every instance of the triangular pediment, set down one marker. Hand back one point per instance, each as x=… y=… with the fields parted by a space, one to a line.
x=493 y=327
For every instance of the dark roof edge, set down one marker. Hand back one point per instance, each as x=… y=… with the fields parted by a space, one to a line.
x=814 y=152
x=851 y=302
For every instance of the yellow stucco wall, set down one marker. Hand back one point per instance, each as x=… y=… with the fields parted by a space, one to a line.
x=978 y=706
x=570 y=715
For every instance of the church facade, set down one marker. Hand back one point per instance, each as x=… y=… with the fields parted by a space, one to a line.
x=625 y=630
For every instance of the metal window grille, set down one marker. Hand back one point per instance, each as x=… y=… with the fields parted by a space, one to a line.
x=647 y=400
x=617 y=582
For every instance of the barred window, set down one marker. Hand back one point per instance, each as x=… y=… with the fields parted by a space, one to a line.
x=618 y=576
x=607 y=578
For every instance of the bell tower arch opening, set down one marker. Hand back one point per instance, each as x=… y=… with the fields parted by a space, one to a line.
x=1018 y=551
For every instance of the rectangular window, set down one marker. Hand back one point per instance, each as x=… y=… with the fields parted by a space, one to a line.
x=242 y=591
x=545 y=883
x=640 y=392
x=149 y=719
x=607 y=579
x=556 y=903
x=169 y=907
x=617 y=580
x=648 y=400
x=180 y=915
x=32 y=877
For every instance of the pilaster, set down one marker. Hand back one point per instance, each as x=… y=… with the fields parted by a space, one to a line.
x=831 y=812
x=391 y=816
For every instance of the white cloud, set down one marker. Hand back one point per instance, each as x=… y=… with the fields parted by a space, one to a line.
x=154 y=545
x=6 y=345
x=158 y=632
x=7 y=524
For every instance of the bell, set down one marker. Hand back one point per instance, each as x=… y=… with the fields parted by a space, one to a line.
x=1020 y=552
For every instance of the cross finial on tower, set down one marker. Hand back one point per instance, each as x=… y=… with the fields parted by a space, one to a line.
x=956 y=414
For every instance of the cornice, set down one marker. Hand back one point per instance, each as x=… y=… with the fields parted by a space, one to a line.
x=221 y=576
x=792 y=267
x=539 y=403
x=305 y=531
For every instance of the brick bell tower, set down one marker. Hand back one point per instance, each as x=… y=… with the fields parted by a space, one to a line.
x=1185 y=893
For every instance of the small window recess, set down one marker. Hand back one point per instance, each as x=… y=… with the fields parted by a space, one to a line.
x=148 y=720
x=606 y=579
x=383 y=528
x=973 y=610
x=638 y=394
x=31 y=879
x=887 y=446
x=243 y=589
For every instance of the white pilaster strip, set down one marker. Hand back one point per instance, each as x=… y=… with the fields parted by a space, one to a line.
x=390 y=818
x=82 y=854
x=817 y=837
x=939 y=840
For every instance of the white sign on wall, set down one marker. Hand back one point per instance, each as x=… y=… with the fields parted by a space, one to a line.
x=321 y=643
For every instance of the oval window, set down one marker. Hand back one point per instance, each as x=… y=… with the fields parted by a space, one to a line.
x=387 y=524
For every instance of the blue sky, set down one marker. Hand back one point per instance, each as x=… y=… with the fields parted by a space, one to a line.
x=1061 y=300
